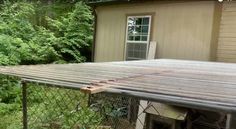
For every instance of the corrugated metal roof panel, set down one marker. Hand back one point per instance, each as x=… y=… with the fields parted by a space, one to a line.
x=204 y=85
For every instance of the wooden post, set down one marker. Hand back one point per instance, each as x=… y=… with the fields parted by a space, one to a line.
x=141 y=114
x=143 y=104
x=152 y=50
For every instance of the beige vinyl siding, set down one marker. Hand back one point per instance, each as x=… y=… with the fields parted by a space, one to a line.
x=227 y=38
x=182 y=30
x=110 y=38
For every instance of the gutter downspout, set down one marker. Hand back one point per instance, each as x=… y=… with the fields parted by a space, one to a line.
x=94 y=33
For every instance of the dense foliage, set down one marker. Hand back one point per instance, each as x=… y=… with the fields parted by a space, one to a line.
x=60 y=108
x=65 y=37
x=26 y=43
x=23 y=42
x=74 y=31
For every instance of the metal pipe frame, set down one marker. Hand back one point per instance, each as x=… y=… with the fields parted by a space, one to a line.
x=231 y=120
x=24 y=104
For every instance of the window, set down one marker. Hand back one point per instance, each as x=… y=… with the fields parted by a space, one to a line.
x=137 y=37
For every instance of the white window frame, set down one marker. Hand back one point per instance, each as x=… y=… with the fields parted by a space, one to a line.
x=144 y=42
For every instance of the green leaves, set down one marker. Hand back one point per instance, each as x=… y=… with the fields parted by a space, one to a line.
x=31 y=44
x=73 y=32
x=10 y=50
x=24 y=42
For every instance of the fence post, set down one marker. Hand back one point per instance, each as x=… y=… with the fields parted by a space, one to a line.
x=89 y=100
x=24 y=104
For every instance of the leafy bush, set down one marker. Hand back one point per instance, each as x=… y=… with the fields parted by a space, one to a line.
x=11 y=120
x=23 y=43
x=67 y=37
x=10 y=103
x=73 y=32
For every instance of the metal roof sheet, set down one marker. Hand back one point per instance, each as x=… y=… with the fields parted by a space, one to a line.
x=203 y=85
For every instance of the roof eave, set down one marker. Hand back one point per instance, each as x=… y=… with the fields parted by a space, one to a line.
x=108 y=2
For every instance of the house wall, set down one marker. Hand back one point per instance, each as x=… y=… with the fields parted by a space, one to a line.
x=182 y=30
x=227 y=39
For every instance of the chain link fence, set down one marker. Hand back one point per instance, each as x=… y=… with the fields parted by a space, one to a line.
x=59 y=108
x=51 y=107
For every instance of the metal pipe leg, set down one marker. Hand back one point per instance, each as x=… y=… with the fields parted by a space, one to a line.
x=24 y=104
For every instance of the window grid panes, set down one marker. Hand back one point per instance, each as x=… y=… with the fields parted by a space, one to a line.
x=137 y=37
x=138 y=28
x=136 y=51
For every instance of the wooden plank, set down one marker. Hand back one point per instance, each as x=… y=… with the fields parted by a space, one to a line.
x=228 y=119
x=167 y=111
x=231 y=121
x=143 y=104
x=152 y=50
x=141 y=114
x=92 y=89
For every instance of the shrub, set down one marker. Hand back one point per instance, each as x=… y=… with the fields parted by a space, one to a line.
x=74 y=32
x=23 y=43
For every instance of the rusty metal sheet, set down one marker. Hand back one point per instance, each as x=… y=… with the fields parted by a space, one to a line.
x=205 y=85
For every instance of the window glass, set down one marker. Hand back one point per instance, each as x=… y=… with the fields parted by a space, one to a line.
x=131 y=21
x=145 y=30
x=145 y=21
x=136 y=51
x=144 y=38
x=131 y=30
x=137 y=37
x=138 y=21
x=131 y=38
x=137 y=30
x=138 y=27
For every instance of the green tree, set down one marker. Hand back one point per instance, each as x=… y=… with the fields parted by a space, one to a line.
x=24 y=42
x=73 y=32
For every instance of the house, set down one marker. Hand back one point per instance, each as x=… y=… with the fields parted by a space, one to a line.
x=202 y=30
x=193 y=30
